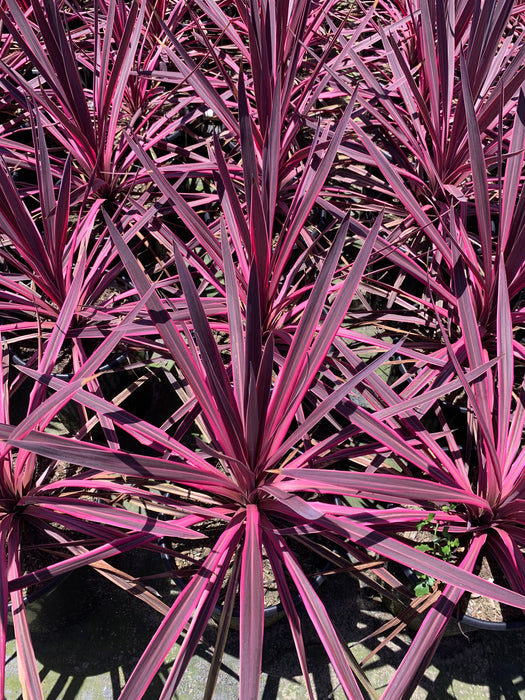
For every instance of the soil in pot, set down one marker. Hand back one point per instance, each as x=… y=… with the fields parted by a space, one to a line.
x=475 y=610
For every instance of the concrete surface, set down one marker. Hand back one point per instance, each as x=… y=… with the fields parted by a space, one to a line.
x=88 y=656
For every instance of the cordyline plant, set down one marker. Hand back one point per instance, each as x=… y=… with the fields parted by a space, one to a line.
x=53 y=258
x=255 y=462
x=415 y=92
x=257 y=126
x=69 y=89
x=42 y=250
x=54 y=514
x=82 y=68
x=484 y=466
x=442 y=120
x=272 y=146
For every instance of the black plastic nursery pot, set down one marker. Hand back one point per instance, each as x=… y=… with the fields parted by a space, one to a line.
x=58 y=603
x=460 y=621
x=35 y=599
x=272 y=613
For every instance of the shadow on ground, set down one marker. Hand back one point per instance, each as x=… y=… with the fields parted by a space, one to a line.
x=89 y=654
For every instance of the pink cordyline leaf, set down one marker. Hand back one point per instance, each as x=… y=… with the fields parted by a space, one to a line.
x=107 y=460
x=237 y=225
x=28 y=671
x=27 y=668
x=515 y=476
x=118 y=545
x=70 y=135
x=252 y=425
x=213 y=11
x=289 y=377
x=4 y=597
x=187 y=360
x=48 y=409
x=294 y=507
x=87 y=122
x=58 y=242
x=141 y=430
x=57 y=338
x=513 y=170
x=325 y=68
x=383 y=487
x=4 y=382
x=235 y=323
x=253 y=332
x=505 y=545
x=414 y=101
x=57 y=66
x=193 y=636
x=199 y=82
x=505 y=364
x=87 y=530
x=197 y=227
x=420 y=561
x=401 y=191
x=514 y=461
x=271 y=155
x=47 y=194
x=252 y=607
x=115 y=87
x=219 y=384
x=403 y=517
x=431 y=395
x=108 y=515
x=17 y=225
x=407 y=261
x=328 y=404
x=246 y=135
x=289 y=606
x=77 y=485
x=488 y=27
x=479 y=178
x=306 y=196
x=389 y=438
x=260 y=239
x=445 y=23
x=490 y=478
x=473 y=343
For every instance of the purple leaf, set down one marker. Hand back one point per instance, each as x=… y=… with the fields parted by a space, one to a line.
x=252 y=607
